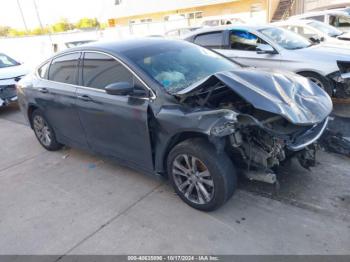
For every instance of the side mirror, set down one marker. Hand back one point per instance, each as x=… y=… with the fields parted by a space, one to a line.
x=265 y=49
x=316 y=39
x=119 y=89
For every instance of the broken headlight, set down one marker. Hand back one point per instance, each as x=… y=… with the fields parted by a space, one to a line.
x=344 y=66
x=224 y=126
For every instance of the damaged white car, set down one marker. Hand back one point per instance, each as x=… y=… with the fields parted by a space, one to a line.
x=11 y=72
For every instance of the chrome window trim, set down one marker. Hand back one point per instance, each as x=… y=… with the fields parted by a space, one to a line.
x=152 y=93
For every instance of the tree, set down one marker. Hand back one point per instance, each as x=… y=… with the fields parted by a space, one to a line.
x=16 y=32
x=4 y=30
x=87 y=23
x=61 y=26
x=39 y=31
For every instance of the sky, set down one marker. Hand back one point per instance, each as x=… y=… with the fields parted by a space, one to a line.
x=51 y=11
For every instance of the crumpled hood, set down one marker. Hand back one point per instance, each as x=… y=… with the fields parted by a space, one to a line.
x=294 y=97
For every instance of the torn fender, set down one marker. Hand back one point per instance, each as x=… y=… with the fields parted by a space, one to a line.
x=293 y=97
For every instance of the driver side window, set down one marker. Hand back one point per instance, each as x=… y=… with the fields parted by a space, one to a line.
x=244 y=41
x=100 y=70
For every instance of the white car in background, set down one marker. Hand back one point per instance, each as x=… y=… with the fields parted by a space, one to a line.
x=276 y=48
x=180 y=32
x=61 y=46
x=11 y=71
x=337 y=18
x=316 y=31
x=221 y=20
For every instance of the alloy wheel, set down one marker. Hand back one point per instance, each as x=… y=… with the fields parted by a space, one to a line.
x=317 y=82
x=193 y=179
x=42 y=130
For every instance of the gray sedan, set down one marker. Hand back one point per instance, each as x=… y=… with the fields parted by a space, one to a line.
x=276 y=48
x=175 y=109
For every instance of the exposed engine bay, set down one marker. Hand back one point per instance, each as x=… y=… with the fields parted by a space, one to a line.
x=262 y=140
x=341 y=80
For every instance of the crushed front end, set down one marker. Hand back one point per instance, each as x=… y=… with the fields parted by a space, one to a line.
x=340 y=80
x=273 y=118
x=8 y=92
x=265 y=144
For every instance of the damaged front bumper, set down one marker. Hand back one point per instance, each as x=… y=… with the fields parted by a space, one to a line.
x=261 y=146
x=8 y=94
x=341 y=84
x=309 y=137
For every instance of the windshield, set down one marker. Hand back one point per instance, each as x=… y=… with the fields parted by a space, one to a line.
x=177 y=65
x=6 y=61
x=327 y=29
x=285 y=38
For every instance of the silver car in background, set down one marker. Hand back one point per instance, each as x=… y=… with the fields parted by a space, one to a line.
x=277 y=48
x=316 y=31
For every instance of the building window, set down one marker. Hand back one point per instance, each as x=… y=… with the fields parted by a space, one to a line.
x=194 y=15
x=255 y=9
x=146 y=20
x=199 y=15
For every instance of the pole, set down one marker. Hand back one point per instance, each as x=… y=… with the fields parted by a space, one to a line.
x=39 y=19
x=22 y=15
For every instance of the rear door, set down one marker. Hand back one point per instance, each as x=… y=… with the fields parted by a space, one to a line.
x=242 y=48
x=56 y=96
x=114 y=125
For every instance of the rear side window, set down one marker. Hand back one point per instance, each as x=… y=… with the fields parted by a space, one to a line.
x=100 y=70
x=209 y=40
x=64 y=69
x=43 y=71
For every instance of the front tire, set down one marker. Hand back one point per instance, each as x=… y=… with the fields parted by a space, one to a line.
x=203 y=178
x=44 y=132
x=319 y=80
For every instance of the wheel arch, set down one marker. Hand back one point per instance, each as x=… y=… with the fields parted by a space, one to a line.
x=31 y=109
x=310 y=71
x=161 y=164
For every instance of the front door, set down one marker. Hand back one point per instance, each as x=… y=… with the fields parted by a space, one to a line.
x=114 y=125
x=243 y=50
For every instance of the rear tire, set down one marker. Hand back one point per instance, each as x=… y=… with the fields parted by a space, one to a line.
x=319 y=80
x=44 y=132
x=203 y=178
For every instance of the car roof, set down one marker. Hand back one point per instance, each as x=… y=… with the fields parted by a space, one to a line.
x=293 y=22
x=230 y=27
x=118 y=47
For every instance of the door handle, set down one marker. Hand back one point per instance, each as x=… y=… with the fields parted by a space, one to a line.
x=43 y=90
x=85 y=98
